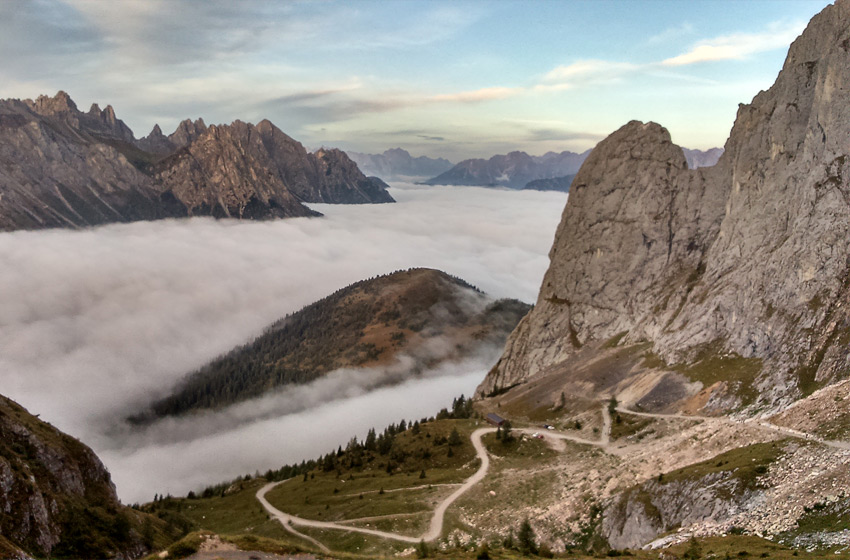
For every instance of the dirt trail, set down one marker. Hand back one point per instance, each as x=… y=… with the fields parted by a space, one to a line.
x=435 y=527
x=604 y=440
x=763 y=424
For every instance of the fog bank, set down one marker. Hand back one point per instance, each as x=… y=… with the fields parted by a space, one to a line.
x=96 y=323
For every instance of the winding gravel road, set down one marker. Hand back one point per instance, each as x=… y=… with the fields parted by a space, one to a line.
x=434 y=530
x=435 y=527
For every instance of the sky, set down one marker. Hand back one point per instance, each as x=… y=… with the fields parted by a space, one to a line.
x=454 y=79
x=96 y=324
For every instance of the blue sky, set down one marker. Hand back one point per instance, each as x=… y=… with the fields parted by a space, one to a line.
x=454 y=79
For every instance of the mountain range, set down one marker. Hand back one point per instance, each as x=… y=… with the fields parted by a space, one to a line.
x=398 y=164
x=549 y=172
x=514 y=170
x=66 y=168
x=679 y=389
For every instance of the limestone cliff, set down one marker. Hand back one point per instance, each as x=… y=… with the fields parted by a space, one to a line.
x=746 y=258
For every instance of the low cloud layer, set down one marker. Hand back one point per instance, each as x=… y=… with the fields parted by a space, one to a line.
x=95 y=324
x=287 y=426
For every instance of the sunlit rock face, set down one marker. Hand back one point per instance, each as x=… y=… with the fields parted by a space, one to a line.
x=65 y=168
x=748 y=257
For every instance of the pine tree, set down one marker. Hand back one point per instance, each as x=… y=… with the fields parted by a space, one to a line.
x=371 y=440
x=525 y=538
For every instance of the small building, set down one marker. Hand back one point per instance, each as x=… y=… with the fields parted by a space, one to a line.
x=495 y=419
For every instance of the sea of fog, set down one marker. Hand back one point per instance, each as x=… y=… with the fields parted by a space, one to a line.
x=94 y=324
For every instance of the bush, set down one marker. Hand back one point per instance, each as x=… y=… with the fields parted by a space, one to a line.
x=186 y=546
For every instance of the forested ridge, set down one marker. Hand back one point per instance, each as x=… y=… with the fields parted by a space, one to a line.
x=363 y=324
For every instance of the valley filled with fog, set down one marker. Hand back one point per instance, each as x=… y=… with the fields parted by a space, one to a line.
x=97 y=323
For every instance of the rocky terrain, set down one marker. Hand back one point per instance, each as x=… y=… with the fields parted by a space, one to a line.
x=66 y=168
x=57 y=498
x=742 y=265
x=396 y=164
x=514 y=170
x=411 y=320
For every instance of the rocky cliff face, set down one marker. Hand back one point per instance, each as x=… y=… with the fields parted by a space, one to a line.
x=227 y=172
x=56 y=497
x=66 y=168
x=340 y=180
x=55 y=173
x=513 y=170
x=747 y=258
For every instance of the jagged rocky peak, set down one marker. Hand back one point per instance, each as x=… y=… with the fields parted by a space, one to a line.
x=96 y=121
x=746 y=259
x=187 y=131
x=58 y=104
x=341 y=179
x=77 y=169
x=228 y=172
x=156 y=142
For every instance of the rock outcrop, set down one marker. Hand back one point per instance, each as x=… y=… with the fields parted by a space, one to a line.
x=65 y=168
x=57 y=498
x=747 y=258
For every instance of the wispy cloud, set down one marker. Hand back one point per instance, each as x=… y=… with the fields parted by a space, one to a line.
x=671 y=33
x=585 y=72
x=478 y=95
x=548 y=134
x=739 y=45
